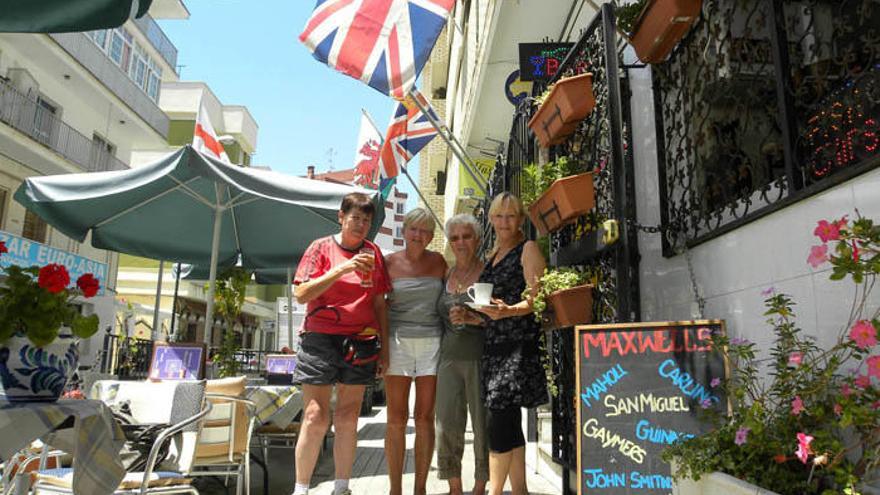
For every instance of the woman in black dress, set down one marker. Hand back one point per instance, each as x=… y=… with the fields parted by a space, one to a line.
x=513 y=376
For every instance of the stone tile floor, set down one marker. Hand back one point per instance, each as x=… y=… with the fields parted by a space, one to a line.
x=369 y=471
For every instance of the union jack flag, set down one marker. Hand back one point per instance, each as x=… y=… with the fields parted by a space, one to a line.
x=409 y=132
x=384 y=43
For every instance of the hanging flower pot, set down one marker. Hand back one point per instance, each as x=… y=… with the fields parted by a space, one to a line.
x=37 y=374
x=661 y=25
x=569 y=102
x=572 y=306
x=564 y=201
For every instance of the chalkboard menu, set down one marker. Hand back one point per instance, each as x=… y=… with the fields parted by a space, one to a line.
x=640 y=386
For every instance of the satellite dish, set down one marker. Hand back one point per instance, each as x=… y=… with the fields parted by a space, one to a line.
x=181 y=270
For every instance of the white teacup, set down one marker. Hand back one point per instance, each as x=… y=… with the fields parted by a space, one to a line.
x=480 y=293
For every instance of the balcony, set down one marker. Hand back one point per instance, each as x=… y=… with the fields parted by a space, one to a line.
x=158 y=39
x=28 y=117
x=87 y=53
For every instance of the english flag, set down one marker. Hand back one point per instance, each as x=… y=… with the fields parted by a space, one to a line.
x=205 y=139
x=383 y=43
x=409 y=132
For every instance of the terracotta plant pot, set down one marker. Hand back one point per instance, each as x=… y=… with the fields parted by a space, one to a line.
x=572 y=306
x=661 y=25
x=564 y=201
x=569 y=102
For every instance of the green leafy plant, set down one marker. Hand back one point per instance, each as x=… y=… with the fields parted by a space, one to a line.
x=553 y=280
x=229 y=294
x=812 y=425
x=627 y=14
x=540 y=99
x=536 y=178
x=37 y=303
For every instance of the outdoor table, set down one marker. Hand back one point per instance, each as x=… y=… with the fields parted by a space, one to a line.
x=276 y=405
x=94 y=440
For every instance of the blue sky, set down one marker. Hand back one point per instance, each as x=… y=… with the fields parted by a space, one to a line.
x=247 y=51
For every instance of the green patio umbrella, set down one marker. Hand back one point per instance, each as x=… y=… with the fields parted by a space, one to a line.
x=64 y=16
x=193 y=209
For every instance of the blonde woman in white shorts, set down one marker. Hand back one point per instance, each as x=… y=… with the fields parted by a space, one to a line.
x=415 y=329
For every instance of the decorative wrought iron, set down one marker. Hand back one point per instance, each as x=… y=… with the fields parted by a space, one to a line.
x=765 y=102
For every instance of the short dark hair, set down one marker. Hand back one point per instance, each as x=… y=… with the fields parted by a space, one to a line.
x=357 y=201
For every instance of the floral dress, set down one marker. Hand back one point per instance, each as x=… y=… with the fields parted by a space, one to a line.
x=513 y=375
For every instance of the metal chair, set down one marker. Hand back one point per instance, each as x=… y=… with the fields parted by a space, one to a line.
x=57 y=481
x=224 y=442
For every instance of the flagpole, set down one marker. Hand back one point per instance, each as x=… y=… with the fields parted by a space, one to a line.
x=406 y=173
x=455 y=146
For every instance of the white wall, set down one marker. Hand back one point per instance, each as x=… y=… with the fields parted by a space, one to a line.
x=733 y=269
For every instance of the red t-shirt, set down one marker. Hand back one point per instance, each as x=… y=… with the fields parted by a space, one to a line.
x=345 y=308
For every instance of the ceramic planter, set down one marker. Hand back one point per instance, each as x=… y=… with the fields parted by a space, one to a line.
x=37 y=374
x=569 y=102
x=572 y=306
x=715 y=483
x=660 y=27
x=562 y=202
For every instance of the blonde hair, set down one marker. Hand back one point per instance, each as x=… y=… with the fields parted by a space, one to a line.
x=506 y=201
x=420 y=217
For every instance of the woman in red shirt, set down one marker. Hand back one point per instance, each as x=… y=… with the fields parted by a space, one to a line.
x=343 y=281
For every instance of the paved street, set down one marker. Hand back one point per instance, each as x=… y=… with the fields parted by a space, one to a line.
x=369 y=473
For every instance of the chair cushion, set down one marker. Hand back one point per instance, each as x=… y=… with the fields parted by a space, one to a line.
x=233 y=387
x=63 y=477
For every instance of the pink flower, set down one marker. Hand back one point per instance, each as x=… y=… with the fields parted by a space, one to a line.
x=795 y=358
x=797 y=405
x=873 y=363
x=818 y=255
x=715 y=382
x=855 y=251
x=706 y=403
x=769 y=291
x=838 y=409
x=863 y=381
x=742 y=435
x=876 y=405
x=827 y=231
x=845 y=390
x=803 y=451
x=863 y=334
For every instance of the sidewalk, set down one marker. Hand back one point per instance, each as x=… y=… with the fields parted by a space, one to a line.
x=369 y=474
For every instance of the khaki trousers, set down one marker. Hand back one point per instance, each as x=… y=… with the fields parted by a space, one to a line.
x=458 y=390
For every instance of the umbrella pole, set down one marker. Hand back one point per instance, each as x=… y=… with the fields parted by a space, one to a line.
x=174 y=302
x=289 y=311
x=212 y=279
x=155 y=333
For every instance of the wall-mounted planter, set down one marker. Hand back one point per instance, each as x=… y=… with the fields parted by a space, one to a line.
x=572 y=306
x=569 y=102
x=660 y=27
x=562 y=202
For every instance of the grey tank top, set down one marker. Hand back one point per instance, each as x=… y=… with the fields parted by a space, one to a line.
x=412 y=311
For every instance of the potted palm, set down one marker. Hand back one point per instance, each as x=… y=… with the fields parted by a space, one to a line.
x=555 y=196
x=567 y=292
x=40 y=328
x=568 y=102
x=806 y=420
x=658 y=26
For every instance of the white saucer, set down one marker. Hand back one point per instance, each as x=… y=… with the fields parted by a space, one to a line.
x=476 y=306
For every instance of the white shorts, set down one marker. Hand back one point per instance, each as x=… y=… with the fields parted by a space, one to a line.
x=413 y=356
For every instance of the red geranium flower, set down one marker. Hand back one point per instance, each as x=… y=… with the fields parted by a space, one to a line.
x=3 y=248
x=54 y=278
x=88 y=284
